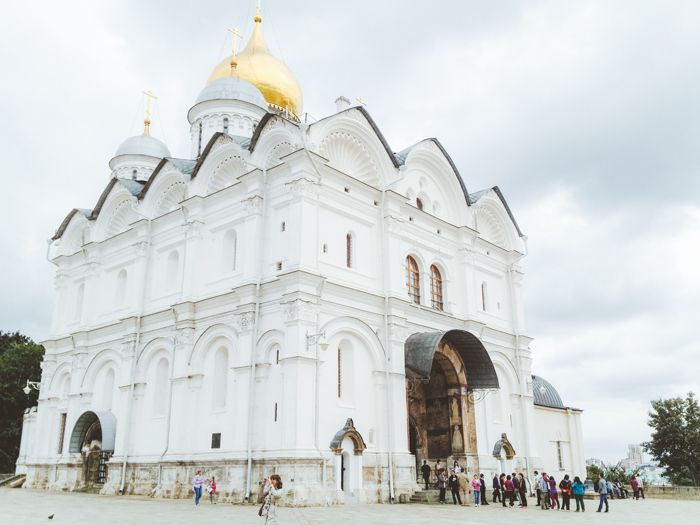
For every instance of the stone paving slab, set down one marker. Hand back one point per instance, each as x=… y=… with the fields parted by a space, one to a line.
x=21 y=506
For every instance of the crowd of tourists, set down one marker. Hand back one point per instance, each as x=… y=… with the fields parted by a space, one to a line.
x=509 y=489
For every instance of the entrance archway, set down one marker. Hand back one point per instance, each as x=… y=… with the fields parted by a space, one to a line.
x=442 y=369
x=93 y=438
x=348 y=446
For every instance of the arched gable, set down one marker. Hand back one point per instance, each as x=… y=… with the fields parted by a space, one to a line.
x=361 y=331
x=63 y=370
x=277 y=139
x=165 y=192
x=100 y=360
x=356 y=146
x=205 y=341
x=75 y=234
x=494 y=223
x=115 y=213
x=221 y=169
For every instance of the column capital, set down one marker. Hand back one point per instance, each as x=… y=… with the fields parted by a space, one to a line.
x=303 y=187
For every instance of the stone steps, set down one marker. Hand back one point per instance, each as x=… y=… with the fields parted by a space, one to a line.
x=14 y=482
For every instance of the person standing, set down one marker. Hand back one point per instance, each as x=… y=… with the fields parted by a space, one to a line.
x=565 y=486
x=502 y=482
x=603 y=493
x=496 y=486
x=579 y=489
x=482 y=480
x=453 y=483
x=437 y=468
x=537 y=486
x=635 y=487
x=272 y=488
x=544 y=492
x=516 y=488
x=510 y=491
x=523 y=491
x=442 y=485
x=464 y=489
x=198 y=480
x=425 y=469
x=476 y=485
x=212 y=491
x=640 y=483
x=553 y=493
x=457 y=468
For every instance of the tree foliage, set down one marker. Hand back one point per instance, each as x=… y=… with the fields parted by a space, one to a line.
x=19 y=361
x=675 y=440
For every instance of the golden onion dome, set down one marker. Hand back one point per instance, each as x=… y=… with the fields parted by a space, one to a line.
x=271 y=76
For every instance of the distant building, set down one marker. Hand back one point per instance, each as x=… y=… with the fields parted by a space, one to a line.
x=594 y=461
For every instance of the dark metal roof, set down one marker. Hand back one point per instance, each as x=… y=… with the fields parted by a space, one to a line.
x=108 y=422
x=420 y=349
x=348 y=429
x=503 y=443
x=550 y=398
x=258 y=130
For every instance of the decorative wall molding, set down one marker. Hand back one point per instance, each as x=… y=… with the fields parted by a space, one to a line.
x=60 y=281
x=92 y=269
x=300 y=310
x=245 y=320
x=489 y=228
x=517 y=276
x=183 y=336
x=140 y=248
x=226 y=173
x=279 y=151
x=347 y=154
x=303 y=187
x=398 y=332
x=193 y=229
x=394 y=224
x=128 y=348
x=79 y=360
x=252 y=205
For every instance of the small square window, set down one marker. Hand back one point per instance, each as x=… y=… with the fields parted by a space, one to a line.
x=347 y=190
x=216 y=440
x=279 y=266
x=376 y=203
x=439 y=232
x=410 y=219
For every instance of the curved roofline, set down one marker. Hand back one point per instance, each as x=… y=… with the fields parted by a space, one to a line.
x=150 y=180
x=64 y=225
x=258 y=130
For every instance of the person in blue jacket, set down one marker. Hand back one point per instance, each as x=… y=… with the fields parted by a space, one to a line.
x=579 y=490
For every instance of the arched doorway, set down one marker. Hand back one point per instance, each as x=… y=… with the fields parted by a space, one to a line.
x=442 y=369
x=93 y=438
x=348 y=446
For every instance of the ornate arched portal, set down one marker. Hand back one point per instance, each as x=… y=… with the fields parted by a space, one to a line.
x=93 y=438
x=348 y=445
x=442 y=371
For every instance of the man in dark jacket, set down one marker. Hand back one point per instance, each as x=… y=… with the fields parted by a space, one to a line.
x=496 y=488
x=453 y=482
x=482 y=480
x=502 y=481
x=425 y=469
x=516 y=488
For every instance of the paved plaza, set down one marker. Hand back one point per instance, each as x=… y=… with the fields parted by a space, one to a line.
x=18 y=506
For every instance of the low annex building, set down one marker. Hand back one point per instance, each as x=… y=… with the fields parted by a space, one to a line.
x=292 y=298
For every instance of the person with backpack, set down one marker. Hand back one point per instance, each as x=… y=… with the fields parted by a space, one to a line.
x=211 y=489
x=565 y=486
x=579 y=489
x=516 y=488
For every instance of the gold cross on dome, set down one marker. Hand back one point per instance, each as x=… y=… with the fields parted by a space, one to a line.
x=235 y=34
x=258 y=7
x=147 y=122
x=361 y=101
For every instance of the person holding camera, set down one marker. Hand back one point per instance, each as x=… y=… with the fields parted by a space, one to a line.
x=272 y=488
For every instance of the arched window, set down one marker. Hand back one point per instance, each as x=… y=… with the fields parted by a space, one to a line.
x=108 y=390
x=229 y=252
x=199 y=146
x=134 y=173
x=220 y=386
x=413 y=279
x=120 y=296
x=79 y=302
x=160 y=392
x=171 y=273
x=419 y=203
x=350 y=248
x=225 y=125
x=483 y=296
x=346 y=385
x=435 y=287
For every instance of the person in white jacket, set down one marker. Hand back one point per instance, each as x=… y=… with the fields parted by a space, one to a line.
x=272 y=488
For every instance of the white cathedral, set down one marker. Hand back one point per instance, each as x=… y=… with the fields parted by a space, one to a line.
x=292 y=298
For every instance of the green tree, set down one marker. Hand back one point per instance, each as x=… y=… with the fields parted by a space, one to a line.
x=19 y=361
x=619 y=473
x=592 y=472
x=675 y=440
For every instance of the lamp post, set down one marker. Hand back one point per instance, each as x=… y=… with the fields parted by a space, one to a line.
x=312 y=339
x=31 y=384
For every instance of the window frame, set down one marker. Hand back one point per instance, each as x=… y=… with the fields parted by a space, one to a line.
x=413 y=274
x=436 y=295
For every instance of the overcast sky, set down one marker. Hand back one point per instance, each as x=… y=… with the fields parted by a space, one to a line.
x=585 y=114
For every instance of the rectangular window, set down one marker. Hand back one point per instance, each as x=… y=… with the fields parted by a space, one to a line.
x=559 y=456
x=62 y=432
x=275 y=411
x=216 y=440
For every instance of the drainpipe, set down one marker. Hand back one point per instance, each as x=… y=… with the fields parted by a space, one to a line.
x=317 y=415
x=253 y=344
x=130 y=399
x=172 y=361
x=390 y=393
x=518 y=358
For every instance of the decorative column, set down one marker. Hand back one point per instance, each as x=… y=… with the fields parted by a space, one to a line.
x=90 y=293
x=245 y=320
x=194 y=231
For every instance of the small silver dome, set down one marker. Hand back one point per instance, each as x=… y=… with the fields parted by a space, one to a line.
x=143 y=145
x=550 y=398
x=232 y=88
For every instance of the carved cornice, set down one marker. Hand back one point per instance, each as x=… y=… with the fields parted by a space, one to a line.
x=252 y=205
x=303 y=187
x=300 y=310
